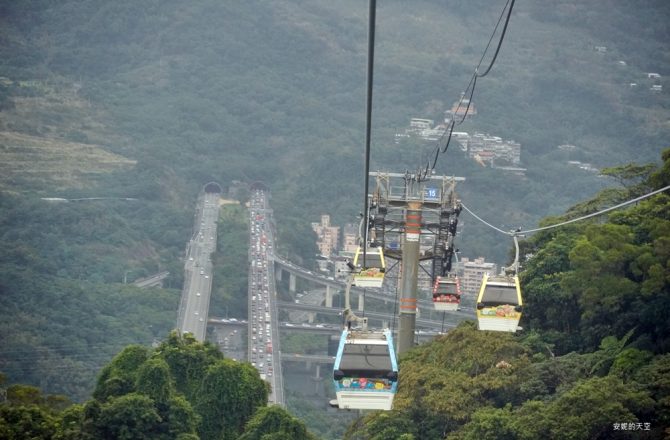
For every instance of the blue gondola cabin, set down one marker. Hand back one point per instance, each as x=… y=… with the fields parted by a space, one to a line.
x=365 y=374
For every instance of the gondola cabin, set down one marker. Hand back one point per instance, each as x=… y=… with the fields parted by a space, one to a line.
x=499 y=304
x=372 y=274
x=365 y=374
x=446 y=293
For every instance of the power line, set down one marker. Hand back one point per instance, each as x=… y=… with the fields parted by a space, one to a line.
x=469 y=91
x=368 y=118
x=584 y=217
x=502 y=37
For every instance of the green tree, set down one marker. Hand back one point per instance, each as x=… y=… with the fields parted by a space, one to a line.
x=154 y=381
x=275 y=423
x=383 y=425
x=587 y=411
x=120 y=376
x=230 y=394
x=188 y=360
x=655 y=378
x=26 y=421
x=488 y=424
x=630 y=175
x=181 y=419
x=132 y=416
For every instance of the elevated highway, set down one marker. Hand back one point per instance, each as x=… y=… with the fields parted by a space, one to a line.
x=378 y=294
x=386 y=317
x=194 y=304
x=263 y=320
x=152 y=281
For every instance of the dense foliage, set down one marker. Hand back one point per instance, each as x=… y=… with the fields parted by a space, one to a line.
x=182 y=390
x=230 y=283
x=64 y=310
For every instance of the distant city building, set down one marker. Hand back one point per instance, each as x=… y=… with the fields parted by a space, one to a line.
x=458 y=111
x=420 y=124
x=472 y=272
x=656 y=88
x=489 y=148
x=349 y=243
x=601 y=49
x=652 y=75
x=327 y=236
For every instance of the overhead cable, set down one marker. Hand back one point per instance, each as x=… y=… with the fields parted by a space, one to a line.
x=502 y=37
x=469 y=90
x=584 y=217
x=368 y=119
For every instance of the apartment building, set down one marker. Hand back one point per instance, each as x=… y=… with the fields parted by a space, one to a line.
x=472 y=272
x=327 y=236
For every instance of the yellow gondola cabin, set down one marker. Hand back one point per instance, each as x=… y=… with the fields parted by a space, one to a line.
x=372 y=275
x=499 y=303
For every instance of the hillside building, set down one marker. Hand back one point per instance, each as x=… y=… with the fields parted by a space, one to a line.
x=418 y=124
x=327 y=236
x=457 y=111
x=489 y=148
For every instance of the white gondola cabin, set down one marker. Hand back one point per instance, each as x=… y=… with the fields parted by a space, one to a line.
x=499 y=303
x=446 y=293
x=365 y=374
x=372 y=274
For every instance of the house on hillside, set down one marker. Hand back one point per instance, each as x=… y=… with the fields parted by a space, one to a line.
x=458 y=111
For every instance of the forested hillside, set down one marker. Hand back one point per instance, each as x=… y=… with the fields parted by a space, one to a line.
x=149 y=100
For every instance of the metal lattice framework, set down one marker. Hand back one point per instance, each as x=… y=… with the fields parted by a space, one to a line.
x=440 y=209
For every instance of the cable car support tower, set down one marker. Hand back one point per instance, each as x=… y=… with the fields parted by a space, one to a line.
x=414 y=220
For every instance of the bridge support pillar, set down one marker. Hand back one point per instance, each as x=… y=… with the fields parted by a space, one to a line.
x=329 y=296
x=311 y=316
x=278 y=273
x=385 y=324
x=291 y=282
x=317 y=380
